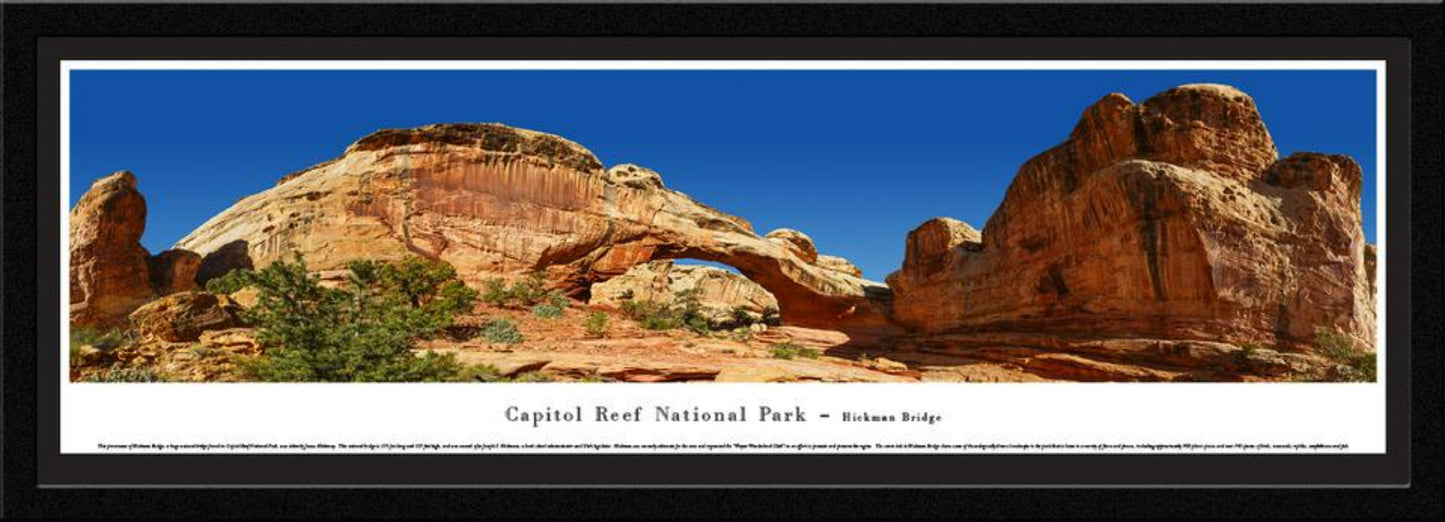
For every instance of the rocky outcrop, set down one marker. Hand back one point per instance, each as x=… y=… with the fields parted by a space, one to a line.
x=798 y=243
x=109 y=273
x=183 y=317
x=719 y=291
x=236 y=340
x=928 y=245
x=629 y=175
x=839 y=264
x=495 y=200
x=174 y=271
x=1171 y=219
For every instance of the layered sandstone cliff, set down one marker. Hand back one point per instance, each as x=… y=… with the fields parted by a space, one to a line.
x=496 y=200
x=1170 y=219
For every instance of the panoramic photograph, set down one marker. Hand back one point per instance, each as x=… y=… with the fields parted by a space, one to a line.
x=841 y=226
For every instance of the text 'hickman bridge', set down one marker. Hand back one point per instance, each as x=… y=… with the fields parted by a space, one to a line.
x=696 y=414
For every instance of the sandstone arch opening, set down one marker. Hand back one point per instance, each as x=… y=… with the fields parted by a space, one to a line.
x=727 y=297
x=810 y=290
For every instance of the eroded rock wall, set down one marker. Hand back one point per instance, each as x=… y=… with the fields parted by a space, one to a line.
x=1171 y=219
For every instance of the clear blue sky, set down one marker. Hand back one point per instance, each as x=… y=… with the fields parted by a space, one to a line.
x=855 y=159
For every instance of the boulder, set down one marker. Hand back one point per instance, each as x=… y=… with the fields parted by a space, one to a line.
x=1167 y=220
x=246 y=297
x=886 y=365
x=109 y=272
x=184 y=316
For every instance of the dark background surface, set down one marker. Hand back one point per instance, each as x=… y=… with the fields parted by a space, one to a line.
x=783 y=467
x=24 y=24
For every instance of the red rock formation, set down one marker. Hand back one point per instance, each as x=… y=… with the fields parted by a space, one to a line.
x=109 y=274
x=495 y=200
x=1169 y=220
x=183 y=317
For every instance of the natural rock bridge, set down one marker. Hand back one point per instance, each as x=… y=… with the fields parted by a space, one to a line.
x=495 y=200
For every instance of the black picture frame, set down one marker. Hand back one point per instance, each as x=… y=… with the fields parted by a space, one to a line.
x=37 y=36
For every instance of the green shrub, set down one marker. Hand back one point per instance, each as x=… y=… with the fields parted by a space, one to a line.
x=771 y=317
x=520 y=294
x=687 y=307
x=501 y=330
x=740 y=316
x=81 y=335
x=790 y=350
x=107 y=341
x=685 y=311
x=689 y=301
x=531 y=377
x=489 y=373
x=117 y=373
x=698 y=325
x=652 y=315
x=597 y=324
x=531 y=290
x=552 y=305
x=1349 y=365
x=479 y=373
x=423 y=284
x=547 y=311
x=229 y=283
x=1332 y=344
x=495 y=292
x=364 y=331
